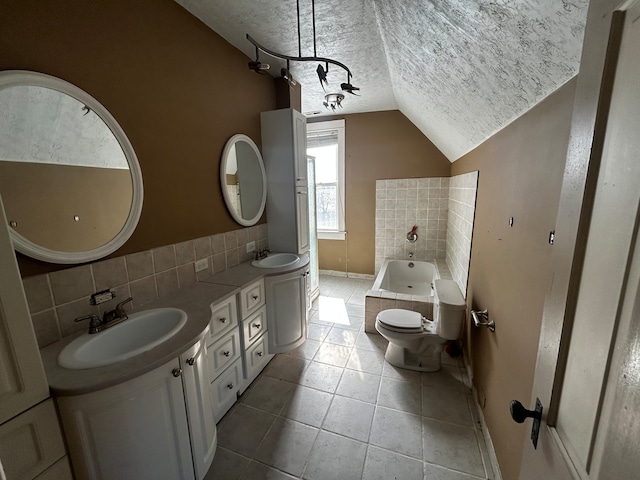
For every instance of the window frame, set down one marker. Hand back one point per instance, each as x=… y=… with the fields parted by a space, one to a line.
x=339 y=126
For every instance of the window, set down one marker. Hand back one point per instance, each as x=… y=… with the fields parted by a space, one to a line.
x=325 y=142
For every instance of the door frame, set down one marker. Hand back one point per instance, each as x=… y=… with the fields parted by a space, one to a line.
x=584 y=155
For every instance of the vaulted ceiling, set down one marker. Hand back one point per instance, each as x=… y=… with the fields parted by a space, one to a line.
x=460 y=70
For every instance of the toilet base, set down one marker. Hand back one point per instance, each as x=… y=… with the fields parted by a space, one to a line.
x=427 y=361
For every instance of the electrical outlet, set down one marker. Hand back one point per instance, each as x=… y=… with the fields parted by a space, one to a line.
x=202 y=264
x=101 y=297
x=251 y=247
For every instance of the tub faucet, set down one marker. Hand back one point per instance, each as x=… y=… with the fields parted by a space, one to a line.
x=410 y=254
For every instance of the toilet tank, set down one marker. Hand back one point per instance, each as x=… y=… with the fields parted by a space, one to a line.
x=449 y=309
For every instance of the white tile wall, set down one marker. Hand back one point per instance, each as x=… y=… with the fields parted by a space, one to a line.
x=403 y=203
x=462 y=208
x=442 y=208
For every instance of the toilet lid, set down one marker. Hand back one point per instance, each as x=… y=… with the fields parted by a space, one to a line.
x=401 y=319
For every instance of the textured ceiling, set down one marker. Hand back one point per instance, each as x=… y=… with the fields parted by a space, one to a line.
x=460 y=70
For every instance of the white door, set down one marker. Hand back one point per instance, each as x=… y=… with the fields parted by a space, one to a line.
x=22 y=379
x=197 y=391
x=591 y=425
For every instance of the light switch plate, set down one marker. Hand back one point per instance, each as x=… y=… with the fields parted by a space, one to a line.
x=202 y=264
x=251 y=247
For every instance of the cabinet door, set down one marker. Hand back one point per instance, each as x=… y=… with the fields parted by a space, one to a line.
x=302 y=219
x=197 y=392
x=22 y=379
x=300 y=148
x=137 y=429
x=286 y=311
x=31 y=442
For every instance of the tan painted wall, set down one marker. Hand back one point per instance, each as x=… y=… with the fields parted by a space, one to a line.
x=521 y=170
x=379 y=145
x=178 y=90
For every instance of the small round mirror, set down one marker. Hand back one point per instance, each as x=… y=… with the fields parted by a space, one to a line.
x=69 y=178
x=243 y=180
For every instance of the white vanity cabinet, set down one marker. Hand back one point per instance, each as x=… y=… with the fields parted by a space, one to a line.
x=287 y=310
x=284 y=145
x=137 y=429
x=225 y=364
x=255 y=355
x=159 y=425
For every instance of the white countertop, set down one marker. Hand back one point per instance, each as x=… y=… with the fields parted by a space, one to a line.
x=195 y=300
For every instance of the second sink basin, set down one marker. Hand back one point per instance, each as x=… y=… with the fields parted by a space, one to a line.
x=276 y=260
x=142 y=331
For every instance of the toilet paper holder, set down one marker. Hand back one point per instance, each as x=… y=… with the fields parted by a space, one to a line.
x=481 y=319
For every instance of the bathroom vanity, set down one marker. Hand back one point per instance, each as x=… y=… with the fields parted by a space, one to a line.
x=154 y=415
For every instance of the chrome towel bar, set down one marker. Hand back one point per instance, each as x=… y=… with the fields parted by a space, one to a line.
x=481 y=319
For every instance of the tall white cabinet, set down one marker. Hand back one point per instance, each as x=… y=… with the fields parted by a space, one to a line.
x=284 y=150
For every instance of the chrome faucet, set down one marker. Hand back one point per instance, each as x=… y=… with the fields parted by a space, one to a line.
x=109 y=319
x=262 y=253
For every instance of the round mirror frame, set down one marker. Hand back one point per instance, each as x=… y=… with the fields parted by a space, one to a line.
x=223 y=171
x=10 y=78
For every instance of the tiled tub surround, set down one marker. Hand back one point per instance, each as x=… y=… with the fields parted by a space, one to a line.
x=443 y=209
x=378 y=300
x=403 y=203
x=462 y=210
x=57 y=298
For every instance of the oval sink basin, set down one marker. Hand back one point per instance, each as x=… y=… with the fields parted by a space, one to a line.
x=276 y=260
x=141 y=332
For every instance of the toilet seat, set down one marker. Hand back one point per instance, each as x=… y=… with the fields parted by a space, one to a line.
x=402 y=321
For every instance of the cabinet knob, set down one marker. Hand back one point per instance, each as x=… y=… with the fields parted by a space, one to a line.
x=191 y=361
x=256 y=325
x=176 y=372
x=223 y=319
x=255 y=297
x=259 y=354
x=230 y=386
x=226 y=354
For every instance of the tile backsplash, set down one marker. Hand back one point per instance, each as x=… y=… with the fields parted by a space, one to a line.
x=56 y=299
x=403 y=203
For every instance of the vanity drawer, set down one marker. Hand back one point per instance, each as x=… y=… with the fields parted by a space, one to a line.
x=252 y=298
x=224 y=318
x=225 y=390
x=223 y=353
x=256 y=357
x=253 y=327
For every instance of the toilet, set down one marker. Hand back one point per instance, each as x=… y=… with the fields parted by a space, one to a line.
x=415 y=342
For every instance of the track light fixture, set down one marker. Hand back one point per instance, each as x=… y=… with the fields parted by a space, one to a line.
x=332 y=100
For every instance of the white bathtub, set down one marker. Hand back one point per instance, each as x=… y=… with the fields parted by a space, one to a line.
x=410 y=277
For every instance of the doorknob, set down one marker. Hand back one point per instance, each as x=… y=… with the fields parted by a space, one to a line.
x=520 y=414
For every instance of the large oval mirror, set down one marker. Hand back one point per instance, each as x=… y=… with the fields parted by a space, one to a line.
x=69 y=177
x=243 y=180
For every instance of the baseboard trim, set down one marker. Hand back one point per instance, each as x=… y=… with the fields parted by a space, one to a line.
x=335 y=273
x=493 y=468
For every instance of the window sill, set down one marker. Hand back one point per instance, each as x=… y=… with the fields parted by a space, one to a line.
x=331 y=235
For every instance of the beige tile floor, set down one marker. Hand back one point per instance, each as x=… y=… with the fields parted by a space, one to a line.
x=334 y=409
